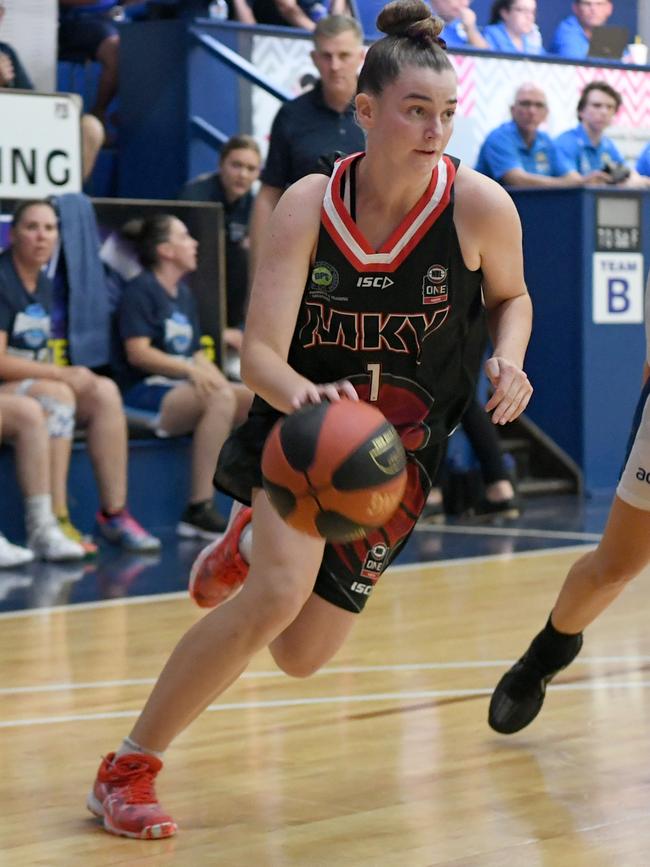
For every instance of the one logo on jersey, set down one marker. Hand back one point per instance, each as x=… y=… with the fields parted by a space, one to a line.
x=374 y=281
x=178 y=333
x=375 y=561
x=32 y=328
x=434 y=285
x=324 y=279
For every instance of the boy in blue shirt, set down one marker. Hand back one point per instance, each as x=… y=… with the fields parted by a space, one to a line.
x=587 y=148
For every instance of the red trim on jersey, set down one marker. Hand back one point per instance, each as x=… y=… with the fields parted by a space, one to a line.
x=392 y=264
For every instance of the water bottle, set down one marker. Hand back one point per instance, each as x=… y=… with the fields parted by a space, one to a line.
x=218 y=10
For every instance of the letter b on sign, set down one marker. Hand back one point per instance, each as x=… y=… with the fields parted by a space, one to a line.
x=617 y=290
x=618 y=296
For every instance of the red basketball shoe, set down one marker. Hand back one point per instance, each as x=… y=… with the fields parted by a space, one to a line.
x=124 y=796
x=219 y=571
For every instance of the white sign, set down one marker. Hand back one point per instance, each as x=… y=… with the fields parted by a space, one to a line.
x=617 y=294
x=40 y=145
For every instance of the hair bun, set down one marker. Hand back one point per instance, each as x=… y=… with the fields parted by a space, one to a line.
x=412 y=19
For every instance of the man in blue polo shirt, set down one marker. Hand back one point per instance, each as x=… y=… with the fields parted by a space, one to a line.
x=573 y=34
x=519 y=154
x=587 y=148
x=318 y=122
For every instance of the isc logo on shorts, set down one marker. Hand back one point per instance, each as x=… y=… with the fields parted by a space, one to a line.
x=374 y=563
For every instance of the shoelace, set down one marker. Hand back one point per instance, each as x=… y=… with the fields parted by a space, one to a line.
x=136 y=780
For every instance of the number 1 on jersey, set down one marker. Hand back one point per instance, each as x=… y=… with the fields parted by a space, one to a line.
x=374 y=370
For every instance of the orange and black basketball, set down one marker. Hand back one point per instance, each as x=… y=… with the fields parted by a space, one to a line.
x=335 y=470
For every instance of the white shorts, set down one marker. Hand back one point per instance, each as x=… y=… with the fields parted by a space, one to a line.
x=634 y=485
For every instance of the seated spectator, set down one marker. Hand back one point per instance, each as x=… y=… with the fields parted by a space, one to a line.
x=587 y=148
x=460 y=28
x=519 y=154
x=29 y=427
x=87 y=31
x=66 y=393
x=643 y=163
x=304 y=14
x=512 y=28
x=166 y=372
x=573 y=34
x=13 y=75
x=231 y=185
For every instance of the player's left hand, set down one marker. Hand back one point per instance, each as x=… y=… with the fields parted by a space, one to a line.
x=512 y=390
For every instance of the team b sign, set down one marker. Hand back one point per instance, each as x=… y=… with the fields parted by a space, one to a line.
x=617 y=288
x=40 y=145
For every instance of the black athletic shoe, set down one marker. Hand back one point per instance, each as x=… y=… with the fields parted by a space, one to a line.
x=520 y=693
x=487 y=510
x=201 y=521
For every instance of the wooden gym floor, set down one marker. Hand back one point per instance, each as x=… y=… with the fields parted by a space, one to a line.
x=384 y=758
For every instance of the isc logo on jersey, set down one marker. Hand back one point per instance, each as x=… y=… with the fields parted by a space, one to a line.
x=374 y=281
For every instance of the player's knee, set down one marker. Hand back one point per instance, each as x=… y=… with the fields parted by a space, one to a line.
x=296 y=662
x=613 y=571
x=282 y=597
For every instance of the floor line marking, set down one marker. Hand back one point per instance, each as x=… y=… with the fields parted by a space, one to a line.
x=517 y=532
x=324 y=700
x=461 y=665
x=182 y=594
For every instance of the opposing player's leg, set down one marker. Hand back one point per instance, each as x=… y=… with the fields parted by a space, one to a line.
x=593 y=582
x=210 y=656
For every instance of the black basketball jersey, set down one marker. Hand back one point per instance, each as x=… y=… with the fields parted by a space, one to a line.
x=404 y=324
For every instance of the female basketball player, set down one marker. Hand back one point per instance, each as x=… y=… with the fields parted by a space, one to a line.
x=369 y=285
x=594 y=581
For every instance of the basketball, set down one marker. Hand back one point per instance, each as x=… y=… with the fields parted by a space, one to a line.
x=334 y=470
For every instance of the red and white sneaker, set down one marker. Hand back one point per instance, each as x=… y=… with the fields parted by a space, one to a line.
x=125 y=797
x=220 y=570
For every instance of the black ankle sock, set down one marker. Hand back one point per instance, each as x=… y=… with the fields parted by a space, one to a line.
x=554 y=649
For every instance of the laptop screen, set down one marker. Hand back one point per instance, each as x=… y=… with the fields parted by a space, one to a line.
x=608 y=42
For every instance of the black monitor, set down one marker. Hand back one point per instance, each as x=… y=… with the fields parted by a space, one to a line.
x=608 y=43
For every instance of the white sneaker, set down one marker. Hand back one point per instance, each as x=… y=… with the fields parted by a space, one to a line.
x=13 y=555
x=49 y=543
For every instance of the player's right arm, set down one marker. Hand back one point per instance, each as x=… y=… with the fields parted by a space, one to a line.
x=285 y=259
